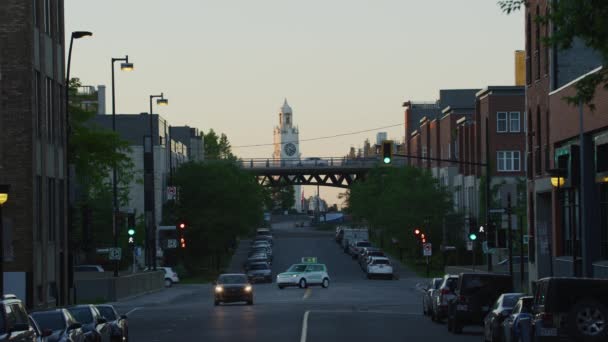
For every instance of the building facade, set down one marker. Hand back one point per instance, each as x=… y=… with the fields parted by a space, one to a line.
x=564 y=240
x=32 y=151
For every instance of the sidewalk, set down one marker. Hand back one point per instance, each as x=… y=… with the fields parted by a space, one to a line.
x=164 y=296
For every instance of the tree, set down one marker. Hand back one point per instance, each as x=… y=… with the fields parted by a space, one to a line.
x=93 y=152
x=219 y=201
x=584 y=20
x=397 y=200
x=217 y=147
x=283 y=197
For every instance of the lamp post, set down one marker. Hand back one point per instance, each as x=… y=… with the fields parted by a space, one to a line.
x=125 y=66
x=557 y=181
x=161 y=101
x=75 y=35
x=4 y=190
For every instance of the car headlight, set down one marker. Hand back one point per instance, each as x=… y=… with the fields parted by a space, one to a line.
x=218 y=289
x=248 y=288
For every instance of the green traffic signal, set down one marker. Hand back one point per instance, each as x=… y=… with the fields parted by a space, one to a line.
x=387 y=160
x=131 y=232
x=472 y=236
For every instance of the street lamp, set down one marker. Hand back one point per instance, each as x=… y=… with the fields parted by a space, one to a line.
x=4 y=190
x=75 y=35
x=161 y=101
x=125 y=66
x=558 y=179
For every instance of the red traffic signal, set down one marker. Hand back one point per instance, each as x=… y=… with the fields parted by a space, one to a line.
x=182 y=242
x=422 y=236
x=416 y=231
x=423 y=240
x=182 y=225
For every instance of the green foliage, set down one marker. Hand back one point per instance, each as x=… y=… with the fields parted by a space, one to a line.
x=586 y=20
x=219 y=201
x=283 y=197
x=394 y=201
x=217 y=147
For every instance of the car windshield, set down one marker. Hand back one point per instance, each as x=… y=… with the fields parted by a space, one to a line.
x=49 y=320
x=297 y=268
x=437 y=283
x=510 y=301
x=107 y=312
x=452 y=283
x=258 y=267
x=232 y=279
x=82 y=315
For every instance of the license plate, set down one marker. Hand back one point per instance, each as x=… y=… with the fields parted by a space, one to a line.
x=547 y=332
x=461 y=307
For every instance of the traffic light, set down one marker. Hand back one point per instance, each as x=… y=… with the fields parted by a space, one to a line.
x=182 y=225
x=417 y=232
x=423 y=238
x=182 y=242
x=472 y=236
x=387 y=151
x=131 y=229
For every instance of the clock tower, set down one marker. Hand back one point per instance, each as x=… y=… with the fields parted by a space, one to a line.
x=287 y=145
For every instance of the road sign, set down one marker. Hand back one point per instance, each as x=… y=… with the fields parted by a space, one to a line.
x=469 y=245
x=172 y=243
x=171 y=192
x=114 y=253
x=427 y=249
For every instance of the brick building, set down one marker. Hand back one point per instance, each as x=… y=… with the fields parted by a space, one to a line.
x=552 y=142
x=32 y=150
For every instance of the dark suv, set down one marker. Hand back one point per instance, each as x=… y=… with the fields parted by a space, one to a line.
x=571 y=309
x=475 y=295
x=14 y=321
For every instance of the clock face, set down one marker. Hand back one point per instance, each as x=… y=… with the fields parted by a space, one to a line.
x=290 y=149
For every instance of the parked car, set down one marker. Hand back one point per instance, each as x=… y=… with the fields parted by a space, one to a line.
x=442 y=297
x=14 y=321
x=258 y=250
x=352 y=234
x=573 y=309
x=58 y=325
x=510 y=327
x=356 y=247
x=427 y=296
x=259 y=271
x=379 y=267
x=492 y=323
x=256 y=258
x=40 y=336
x=170 y=276
x=118 y=323
x=232 y=287
x=367 y=254
x=263 y=232
x=88 y=268
x=94 y=325
x=339 y=234
x=475 y=295
x=267 y=238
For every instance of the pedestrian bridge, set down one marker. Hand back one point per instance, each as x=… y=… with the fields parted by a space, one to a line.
x=334 y=172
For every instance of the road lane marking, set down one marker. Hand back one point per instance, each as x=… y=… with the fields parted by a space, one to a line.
x=304 y=327
x=132 y=311
x=307 y=293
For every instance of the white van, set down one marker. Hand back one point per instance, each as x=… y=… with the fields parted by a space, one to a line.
x=352 y=234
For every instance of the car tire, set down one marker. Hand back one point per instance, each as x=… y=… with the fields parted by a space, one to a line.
x=583 y=321
x=281 y=287
x=325 y=283
x=168 y=282
x=302 y=283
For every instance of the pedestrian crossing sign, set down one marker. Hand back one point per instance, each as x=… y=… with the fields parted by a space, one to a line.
x=309 y=260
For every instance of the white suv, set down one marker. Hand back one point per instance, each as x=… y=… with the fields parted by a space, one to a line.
x=379 y=267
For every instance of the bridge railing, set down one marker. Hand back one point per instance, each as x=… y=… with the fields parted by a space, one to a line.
x=325 y=162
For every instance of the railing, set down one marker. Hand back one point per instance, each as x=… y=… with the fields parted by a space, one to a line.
x=316 y=163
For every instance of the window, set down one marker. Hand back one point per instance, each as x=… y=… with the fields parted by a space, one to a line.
x=508 y=161
x=514 y=126
x=38 y=103
x=49 y=110
x=423 y=151
x=47 y=17
x=501 y=122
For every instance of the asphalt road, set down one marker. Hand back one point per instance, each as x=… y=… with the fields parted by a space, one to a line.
x=352 y=309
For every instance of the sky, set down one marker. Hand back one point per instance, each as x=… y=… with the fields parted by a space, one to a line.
x=343 y=65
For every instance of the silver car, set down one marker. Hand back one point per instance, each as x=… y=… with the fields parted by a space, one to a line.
x=259 y=271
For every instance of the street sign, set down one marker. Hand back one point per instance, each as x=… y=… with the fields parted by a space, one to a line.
x=469 y=245
x=427 y=249
x=171 y=192
x=114 y=253
x=172 y=243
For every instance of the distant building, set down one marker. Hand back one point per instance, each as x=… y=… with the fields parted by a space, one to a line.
x=192 y=138
x=380 y=137
x=90 y=99
x=287 y=145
